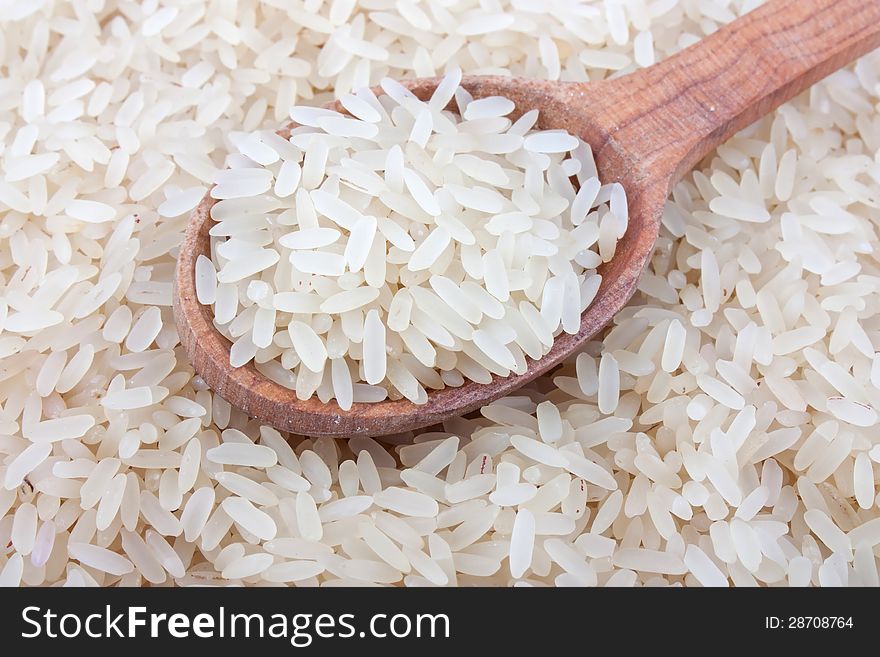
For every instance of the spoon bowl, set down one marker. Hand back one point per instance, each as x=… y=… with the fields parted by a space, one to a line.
x=646 y=130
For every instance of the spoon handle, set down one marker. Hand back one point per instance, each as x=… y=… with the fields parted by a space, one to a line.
x=669 y=116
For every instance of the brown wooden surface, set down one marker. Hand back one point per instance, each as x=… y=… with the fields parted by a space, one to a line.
x=647 y=130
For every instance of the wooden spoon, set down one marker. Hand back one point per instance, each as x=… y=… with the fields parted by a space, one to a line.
x=647 y=130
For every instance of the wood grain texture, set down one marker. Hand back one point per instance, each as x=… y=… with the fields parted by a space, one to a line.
x=647 y=130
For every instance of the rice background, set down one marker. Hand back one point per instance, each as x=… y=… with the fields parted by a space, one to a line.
x=743 y=450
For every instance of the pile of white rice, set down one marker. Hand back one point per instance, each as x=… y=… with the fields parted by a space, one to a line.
x=722 y=432
x=403 y=246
